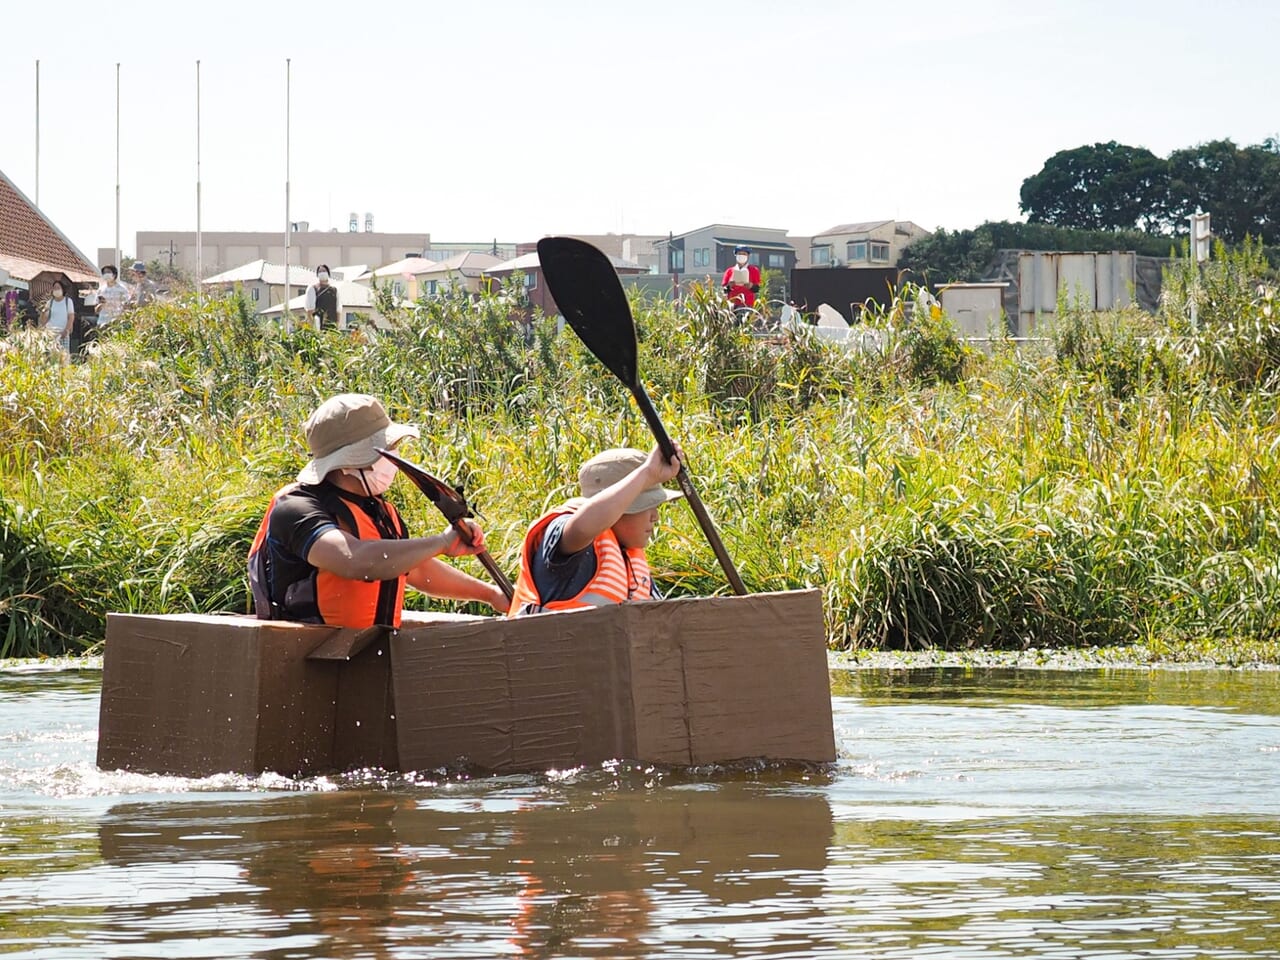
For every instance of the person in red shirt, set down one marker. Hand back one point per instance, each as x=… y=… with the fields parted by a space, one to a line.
x=741 y=281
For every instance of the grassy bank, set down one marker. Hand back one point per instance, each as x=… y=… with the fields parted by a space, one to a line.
x=1118 y=492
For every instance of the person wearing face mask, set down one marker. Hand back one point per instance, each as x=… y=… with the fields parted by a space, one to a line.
x=332 y=549
x=58 y=316
x=741 y=282
x=324 y=306
x=112 y=297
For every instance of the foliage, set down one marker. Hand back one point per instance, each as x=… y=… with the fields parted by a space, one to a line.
x=969 y=255
x=1117 y=492
x=1115 y=186
x=1106 y=186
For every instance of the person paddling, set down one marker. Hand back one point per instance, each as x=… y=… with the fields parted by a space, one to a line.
x=332 y=549
x=590 y=551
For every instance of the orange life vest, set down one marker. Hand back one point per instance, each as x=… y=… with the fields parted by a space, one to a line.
x=621 y=575
x=324 y=597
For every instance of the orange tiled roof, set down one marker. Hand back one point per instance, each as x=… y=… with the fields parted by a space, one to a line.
x=27 y=234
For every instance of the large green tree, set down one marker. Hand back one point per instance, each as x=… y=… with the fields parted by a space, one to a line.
x=1238 y=186
x=1106 y=186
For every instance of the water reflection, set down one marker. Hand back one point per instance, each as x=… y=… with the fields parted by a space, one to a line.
x=526 y=871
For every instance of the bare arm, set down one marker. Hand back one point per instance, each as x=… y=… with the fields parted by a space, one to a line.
x=603 y=510
x=438 y=579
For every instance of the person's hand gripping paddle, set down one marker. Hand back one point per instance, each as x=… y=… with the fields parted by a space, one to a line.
x=454 y=507
x=586 y=288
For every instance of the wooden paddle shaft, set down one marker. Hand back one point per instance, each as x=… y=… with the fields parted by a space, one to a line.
x=686 y=485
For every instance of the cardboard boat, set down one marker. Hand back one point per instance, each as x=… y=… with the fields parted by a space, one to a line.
x=679 y=682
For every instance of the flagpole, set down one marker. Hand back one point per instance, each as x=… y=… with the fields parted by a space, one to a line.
x=37 y=133
x=199 y=238
x=117 y=262
x=288 y=226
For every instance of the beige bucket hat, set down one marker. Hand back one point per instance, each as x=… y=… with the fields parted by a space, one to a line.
x=345 y=431
x=608 y=467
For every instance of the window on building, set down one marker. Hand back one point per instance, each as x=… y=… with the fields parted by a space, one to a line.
x=255 y=293
x=880 y=252
x=397 y=288
x=531 y=281
x=856 y=251
x=820 y=256
x=777 y=261
x=675 y=258
x=433 y=287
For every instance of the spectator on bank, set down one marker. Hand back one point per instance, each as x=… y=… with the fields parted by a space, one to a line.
x=324 y=306
x=58 y=316
x=112 y=296
x=144 y=288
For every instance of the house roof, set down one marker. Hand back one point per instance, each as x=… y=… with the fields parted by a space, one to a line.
x=469 y=263
x=840 y=230
x=754 y=244
x=529 y=261
x=27 y=234
x=719 y=227
x=261 y=270
x=353 y=296
x=20 y=268
x=411 y=266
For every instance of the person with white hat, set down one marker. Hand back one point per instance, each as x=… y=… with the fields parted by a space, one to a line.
x=332 y=549
x=589 y=551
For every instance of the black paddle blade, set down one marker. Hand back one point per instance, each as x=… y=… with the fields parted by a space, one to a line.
x=588 y=293
x=447 y=500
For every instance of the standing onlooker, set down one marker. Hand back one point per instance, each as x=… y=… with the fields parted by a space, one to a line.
x=324 y=306
x=144 y=288
x=112 y=297
x=58 y=316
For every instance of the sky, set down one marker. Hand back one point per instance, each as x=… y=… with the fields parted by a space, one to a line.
x=511 y=120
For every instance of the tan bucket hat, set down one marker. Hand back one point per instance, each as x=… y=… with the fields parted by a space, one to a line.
x=344 y=432
x=608 y=467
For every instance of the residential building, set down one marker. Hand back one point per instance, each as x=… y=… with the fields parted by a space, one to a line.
x=401 y=277
x=634 y=248
x=461 y=271
x=876 y=243
x=222 y=250
x=34 y=253
x=534 y=285
x=708 y=251
x=263 y=282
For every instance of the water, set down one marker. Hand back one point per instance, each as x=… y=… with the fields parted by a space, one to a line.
x=989 y=814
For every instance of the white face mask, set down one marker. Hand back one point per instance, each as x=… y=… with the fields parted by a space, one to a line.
x=322 y=276
x=377 y=478
x=743 y=258
x=57 y=293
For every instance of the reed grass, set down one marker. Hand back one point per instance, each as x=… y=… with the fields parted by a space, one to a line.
x=1116 y=492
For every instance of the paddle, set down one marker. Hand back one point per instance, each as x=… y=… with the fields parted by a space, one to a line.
x=586 y=288
x=454 y=507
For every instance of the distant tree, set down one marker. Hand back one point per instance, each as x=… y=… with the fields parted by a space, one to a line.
x=1238 y=186
x=968 y=255
x=1106 y=186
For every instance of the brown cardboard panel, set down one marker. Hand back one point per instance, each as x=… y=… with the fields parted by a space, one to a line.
x=168 y=706
x=677 y=682
x=296 y=698
x=346 y=643
x=570 y=677
x=364 y=722
x=453 y=700
x=756 y=677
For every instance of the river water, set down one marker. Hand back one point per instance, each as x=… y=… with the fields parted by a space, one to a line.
x=972 y=814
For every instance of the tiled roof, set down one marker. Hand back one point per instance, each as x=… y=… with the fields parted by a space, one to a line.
x=844 y=228
x=468 y=263
x=20 y=268
x=529 y=261
x=261 y=270
x=410 y=266
x=28 y=234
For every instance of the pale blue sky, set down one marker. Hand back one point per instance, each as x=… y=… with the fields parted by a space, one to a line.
x=511 y=120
